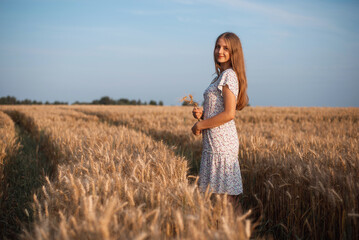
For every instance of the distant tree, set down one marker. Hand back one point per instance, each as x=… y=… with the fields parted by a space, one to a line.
x=37 y=102
x=8 y=100
x=60 y=103
x=123 y=101
x=12 y=100
x=81 y=103
x=26 y=101
x=160 y=103
x=106 y=101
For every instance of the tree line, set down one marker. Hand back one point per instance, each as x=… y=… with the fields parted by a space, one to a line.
x=10 y=100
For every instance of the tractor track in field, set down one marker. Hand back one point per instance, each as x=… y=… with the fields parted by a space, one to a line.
x=24 y=174
x=179 y=144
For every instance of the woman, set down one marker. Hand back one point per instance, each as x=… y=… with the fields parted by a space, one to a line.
x=219 y=169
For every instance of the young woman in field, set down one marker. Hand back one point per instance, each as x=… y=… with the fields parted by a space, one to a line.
x=227 y=93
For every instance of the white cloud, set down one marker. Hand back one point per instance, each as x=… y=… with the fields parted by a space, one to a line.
x=282 y=15
x=275 y=13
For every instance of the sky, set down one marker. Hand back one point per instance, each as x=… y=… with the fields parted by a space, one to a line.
x=297 y=52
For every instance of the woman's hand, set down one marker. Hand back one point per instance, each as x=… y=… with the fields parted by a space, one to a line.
x=197 y=112
x=196 y=129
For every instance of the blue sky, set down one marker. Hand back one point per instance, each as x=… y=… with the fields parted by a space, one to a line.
x=297 y=53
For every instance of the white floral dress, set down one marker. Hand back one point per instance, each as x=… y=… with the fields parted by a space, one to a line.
x=219 y=164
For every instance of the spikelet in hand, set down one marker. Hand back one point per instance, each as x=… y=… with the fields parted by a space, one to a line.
x=189 y=100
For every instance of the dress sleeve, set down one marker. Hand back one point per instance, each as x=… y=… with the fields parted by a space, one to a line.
x=229 y=78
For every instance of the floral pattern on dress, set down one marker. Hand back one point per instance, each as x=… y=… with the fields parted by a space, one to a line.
x=219 y=167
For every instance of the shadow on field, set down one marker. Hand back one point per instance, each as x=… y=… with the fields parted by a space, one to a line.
x=23 y=174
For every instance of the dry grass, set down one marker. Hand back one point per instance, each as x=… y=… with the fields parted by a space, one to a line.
x=123 y=171
x=7 y=137
x=7 y=144
x=302 y=163
x=114 y=182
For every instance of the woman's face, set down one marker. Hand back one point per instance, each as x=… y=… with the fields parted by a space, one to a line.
x=221 y=51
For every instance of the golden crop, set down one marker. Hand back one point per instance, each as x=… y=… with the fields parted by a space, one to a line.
x=189 y=100
x=7 y=141
x=7 y=135
x=129 y=172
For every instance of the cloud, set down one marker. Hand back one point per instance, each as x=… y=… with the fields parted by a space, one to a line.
x=282 y=15
x=274 y=13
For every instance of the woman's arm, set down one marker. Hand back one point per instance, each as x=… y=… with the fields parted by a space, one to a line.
x=228 y=114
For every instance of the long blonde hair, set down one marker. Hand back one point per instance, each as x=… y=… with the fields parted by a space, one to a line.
x=237 y=62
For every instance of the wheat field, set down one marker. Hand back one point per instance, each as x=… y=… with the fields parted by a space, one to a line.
x=131 y=172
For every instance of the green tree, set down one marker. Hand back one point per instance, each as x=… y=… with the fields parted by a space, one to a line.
x=8 y=100
x=107 y=101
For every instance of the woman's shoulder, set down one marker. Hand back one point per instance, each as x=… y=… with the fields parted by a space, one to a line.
x=229 y=78
x=230 y=72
